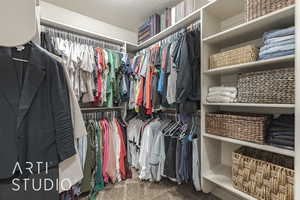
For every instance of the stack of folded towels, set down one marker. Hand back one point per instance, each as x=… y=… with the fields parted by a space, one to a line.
x=222 y=95
x=278 y=43
x=281 y=132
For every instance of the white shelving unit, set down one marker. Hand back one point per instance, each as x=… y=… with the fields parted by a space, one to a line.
x=221 y=176
x=258 y=65
x=223 y=28
x=251 y=144
x=256 y=27
x=255 y=105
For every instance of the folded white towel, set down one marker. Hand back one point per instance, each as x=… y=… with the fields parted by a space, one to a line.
x=223 y=93
x=220 y=99
x=222 y=89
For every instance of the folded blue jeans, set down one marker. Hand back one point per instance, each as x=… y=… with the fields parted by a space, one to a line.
x=277 y=49
x=278 y=54
x=279 y=39
x=277 y=44
x=279 y=33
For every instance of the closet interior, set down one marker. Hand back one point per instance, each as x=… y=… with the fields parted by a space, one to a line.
x=207 y=100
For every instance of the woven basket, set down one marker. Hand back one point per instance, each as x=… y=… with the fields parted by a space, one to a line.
x=271 y=86
x=263 y=175
x=241 y=55
x=248 y=127
x=258 y=8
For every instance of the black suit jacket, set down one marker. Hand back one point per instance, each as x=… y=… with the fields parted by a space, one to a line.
x=35 y=119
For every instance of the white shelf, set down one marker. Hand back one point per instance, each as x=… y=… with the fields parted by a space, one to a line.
x=257 y=65
x=81 y=31
x=168 y=31
x=292 y=106
x=253 y=145
x=221 y=176
x=254 y=28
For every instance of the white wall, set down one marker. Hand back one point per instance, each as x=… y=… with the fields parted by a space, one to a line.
x=55 y=13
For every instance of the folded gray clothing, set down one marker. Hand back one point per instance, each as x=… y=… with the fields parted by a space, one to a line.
x=282 y=133
x=282 y=137
x=281 y=142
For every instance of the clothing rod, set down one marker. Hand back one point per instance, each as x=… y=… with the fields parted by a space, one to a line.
x=195 y=23
x=101 y=109
x=66 y=27
x=56 y=32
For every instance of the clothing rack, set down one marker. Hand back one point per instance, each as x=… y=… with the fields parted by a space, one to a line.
x=72 y=36
x=174 y=36
x=100 y=114
x=86 y=110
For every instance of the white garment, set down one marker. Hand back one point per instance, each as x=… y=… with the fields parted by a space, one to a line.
x=157 y=158
x=222 y=89
x=117 y=147
x=133 y=135
x=145 y=65
x=220 y=99
x=223 y=93
x=196 y=166
x=146 y=149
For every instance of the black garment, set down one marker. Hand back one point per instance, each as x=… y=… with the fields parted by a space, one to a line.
x=170 y=163
x=282 y=131
x=35 y=116
x=188 y=73
x=36 y=188
x=47 y=44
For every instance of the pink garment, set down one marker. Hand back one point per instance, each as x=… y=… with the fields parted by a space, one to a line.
x=111 y=163
x=106 y=151
x=122 y=152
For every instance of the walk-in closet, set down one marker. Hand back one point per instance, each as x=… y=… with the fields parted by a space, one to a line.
x=149 y=100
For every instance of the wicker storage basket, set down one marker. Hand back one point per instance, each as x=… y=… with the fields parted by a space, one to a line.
x=240 y=55
x=241 y=126
x=271 y=86
x=263 y=175
x=258 y=8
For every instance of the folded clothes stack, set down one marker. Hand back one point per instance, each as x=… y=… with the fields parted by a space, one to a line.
x=221 y=95
x=281 y=132
x=278 y=43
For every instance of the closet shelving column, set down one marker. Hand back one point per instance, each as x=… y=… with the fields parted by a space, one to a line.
x=224 y=27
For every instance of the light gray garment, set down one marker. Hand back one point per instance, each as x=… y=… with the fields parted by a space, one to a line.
x=144 y=69
x=157 y=158
x=172 y=78
x=196 y=166
x=148 y=138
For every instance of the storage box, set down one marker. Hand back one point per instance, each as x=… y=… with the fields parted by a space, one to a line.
x=258 y=8
x=241 y=126
x=263 y=175
x=240 y=55
x=275 y=86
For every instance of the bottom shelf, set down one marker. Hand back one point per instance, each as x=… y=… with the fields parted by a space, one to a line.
x=221 y=176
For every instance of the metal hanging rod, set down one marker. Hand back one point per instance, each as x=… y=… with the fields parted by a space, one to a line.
x=174 y=36
x=80 y=38
x=101 y=109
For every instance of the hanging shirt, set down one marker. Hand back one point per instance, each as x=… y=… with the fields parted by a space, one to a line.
x=148 y=139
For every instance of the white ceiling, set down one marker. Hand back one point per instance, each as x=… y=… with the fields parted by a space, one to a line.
x=128 y=14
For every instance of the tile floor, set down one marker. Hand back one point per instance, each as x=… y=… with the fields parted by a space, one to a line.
x=134 y=189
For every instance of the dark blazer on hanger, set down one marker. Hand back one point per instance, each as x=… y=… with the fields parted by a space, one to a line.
x=35 y=119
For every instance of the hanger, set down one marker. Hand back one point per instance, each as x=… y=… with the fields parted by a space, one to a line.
x=21 y=48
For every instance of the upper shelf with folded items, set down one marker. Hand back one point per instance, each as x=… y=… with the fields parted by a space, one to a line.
x=232 y=26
